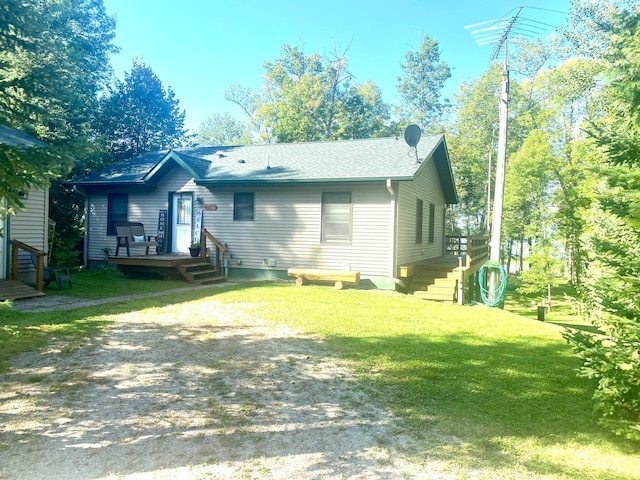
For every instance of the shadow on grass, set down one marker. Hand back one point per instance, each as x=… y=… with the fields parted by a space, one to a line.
x=485 y=393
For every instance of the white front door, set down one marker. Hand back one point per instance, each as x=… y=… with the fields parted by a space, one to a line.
x=181 y=222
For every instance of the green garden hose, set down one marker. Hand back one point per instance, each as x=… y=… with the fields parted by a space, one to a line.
x=485 y=294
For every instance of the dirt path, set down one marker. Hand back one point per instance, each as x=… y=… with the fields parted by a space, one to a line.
x=208 y=393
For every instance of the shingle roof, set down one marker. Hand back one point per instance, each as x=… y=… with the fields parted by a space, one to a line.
x=348 y=160
x=17 y=138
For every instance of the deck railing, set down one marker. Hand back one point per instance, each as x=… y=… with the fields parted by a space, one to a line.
x=39 y=255
x=474 y=249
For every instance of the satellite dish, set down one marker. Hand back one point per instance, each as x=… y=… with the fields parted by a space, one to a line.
x=412 y=135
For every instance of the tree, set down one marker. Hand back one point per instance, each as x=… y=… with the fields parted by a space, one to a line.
x=53 y=61
x=312 y=98
x=139 y=115
x=420 y=86
x=612 y=281
x=223 y=130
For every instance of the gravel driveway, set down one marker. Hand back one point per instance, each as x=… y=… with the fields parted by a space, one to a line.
x=204 y=392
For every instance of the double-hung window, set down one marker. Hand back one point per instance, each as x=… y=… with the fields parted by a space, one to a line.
x=432 y=222
x=419 y=216
x=336 y=217
x=117 y=207
x=243 y=206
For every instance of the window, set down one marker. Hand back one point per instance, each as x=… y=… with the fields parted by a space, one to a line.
x=183 y=214
x=336 y=217
x=419 y=215
x=117 y=207
x=432 y=222
x=243 y=206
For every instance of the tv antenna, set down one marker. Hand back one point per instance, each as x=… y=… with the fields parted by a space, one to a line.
x=498 y=33
x=412 y=136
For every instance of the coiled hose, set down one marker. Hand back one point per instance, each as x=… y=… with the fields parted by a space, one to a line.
x=501 y=287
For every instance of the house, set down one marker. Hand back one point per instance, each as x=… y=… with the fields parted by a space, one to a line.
x=30 y=225
x=360 y=205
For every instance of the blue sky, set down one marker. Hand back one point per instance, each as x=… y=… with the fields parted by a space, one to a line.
x=200 y=47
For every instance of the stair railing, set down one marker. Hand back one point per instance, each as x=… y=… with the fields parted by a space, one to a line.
x=39 y=255
x=206 y=235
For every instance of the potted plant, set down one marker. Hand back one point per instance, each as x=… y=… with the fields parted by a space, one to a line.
x=195 y=249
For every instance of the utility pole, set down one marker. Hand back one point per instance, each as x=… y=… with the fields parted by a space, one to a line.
x=496 y=224
x=498 y=194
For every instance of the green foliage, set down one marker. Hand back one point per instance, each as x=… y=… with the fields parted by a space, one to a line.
x=312 y=98
x=471 y=141
x=613 y=363
x=53 y=61
x=420 y=86
x=139 y=115
x=544 y=267
x=222 y=130
x=24 y=168
x=611 y=286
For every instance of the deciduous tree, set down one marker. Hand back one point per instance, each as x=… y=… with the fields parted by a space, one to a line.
x=420 y=86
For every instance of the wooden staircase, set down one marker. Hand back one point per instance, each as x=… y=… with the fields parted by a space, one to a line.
x=435 y=282
x=201 y=273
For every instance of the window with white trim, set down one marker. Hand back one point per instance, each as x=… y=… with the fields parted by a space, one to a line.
x=336 y=217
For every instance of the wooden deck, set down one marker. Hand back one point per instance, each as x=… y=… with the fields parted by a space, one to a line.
x=197 y=270
x=449 y=278
x=14 y=290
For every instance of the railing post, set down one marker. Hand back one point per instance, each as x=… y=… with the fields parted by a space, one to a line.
x=460 y=280
x=39 y=272
x=14 y=262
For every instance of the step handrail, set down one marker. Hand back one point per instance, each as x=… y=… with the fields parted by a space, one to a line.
x=16 y=246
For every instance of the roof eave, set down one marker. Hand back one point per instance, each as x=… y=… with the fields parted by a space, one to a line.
x=273 y=181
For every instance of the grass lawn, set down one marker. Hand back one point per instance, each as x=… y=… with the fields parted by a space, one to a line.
x=492 y=391
x=94 y=284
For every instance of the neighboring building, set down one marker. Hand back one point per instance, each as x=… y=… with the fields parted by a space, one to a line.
x=29 y=225
x=362 y=205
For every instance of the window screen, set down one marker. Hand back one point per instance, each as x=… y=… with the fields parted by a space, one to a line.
x=243 y=205
x=336 y=217
x=117 y=207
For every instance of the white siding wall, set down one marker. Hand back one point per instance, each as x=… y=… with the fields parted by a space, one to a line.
x=30 y=225
x=286 y=227
x=426 y=187
x=143 y=207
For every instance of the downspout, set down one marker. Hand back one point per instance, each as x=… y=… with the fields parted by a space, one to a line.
x=394 y=233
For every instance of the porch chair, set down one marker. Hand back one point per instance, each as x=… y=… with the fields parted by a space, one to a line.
x=131 y=234
x=56 y=274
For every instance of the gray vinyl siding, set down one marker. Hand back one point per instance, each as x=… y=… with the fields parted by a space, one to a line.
x=427 y=188
x=143 y=207
x=287 y=222
x=286 y=227
x=30 y=226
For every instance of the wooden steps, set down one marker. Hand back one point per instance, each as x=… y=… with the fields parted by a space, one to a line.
x=14 y=290
x=200 y=273
x=435 y=282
